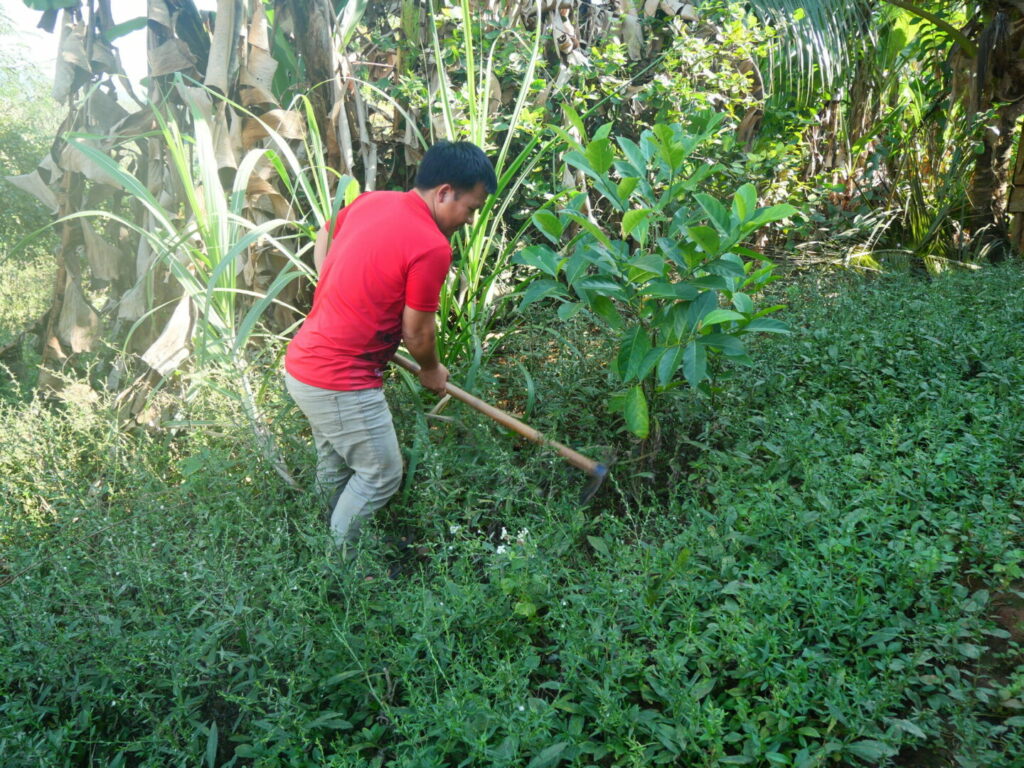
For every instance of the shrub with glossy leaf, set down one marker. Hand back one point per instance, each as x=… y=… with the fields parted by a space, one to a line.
x=675 y=291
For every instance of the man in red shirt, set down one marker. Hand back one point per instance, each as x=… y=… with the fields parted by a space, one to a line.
x=382 y=263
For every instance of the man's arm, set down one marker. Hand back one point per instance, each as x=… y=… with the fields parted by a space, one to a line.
x=418 y=334
x=320 y=249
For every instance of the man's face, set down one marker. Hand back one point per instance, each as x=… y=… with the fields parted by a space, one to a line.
x=453 y=209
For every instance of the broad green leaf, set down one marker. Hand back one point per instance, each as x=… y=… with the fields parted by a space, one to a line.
x=633 y=349
x=569 y=309
x=671 y=249
x=590 y=227
x=540 y=289
x=725 y=267
x=767 y=325
x=574 y=120
x=646 y=266
x=602 y=286
x=211 y=745
x=600 y=155
x=669 y=364
x=599 y=545
x=695 y=364
x=637 y=417
x=768 y=215
x=549 y=224
x=721 y=316
x=743 y=303
x=678 y=325
x=539 y=257
x=706 y=237
x=604 y=308
x=704 y=303
x=665 y=138
x=581 y=161
x=769 y=310
x=633 y=154
x=870 y=750
x=603 y=132
x=660 y=289
x=716 y=212
x=626 y=186
x=549 y=756
x=575 y=267
x=634 y=218
x=709 y=283
x=730 y=345
x=750 y=253
x=907 y=726
x=648 y=363
x=744 y=202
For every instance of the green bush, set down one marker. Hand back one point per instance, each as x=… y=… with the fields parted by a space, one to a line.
x=659 y=287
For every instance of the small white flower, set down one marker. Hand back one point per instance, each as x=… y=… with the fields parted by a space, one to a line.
x=521 y=708
x=454 y=529
x=504 y=534
x=501 y=550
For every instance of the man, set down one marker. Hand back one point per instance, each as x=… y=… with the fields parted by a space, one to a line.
x=382 y=264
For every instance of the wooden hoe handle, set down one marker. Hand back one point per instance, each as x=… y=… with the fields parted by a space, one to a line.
x=575 y=458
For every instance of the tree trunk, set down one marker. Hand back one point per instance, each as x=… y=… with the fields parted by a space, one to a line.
x=999 y=80
x=1016 y=202
x=314 y=26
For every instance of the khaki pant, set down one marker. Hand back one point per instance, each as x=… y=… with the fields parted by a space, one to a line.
x=357 y=451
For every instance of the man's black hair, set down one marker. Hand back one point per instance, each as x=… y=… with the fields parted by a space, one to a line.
x=459 y=163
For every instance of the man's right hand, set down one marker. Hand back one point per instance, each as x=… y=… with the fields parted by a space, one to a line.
x=434 y=379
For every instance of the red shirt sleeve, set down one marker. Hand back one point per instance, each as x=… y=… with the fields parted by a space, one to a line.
x=425 y=277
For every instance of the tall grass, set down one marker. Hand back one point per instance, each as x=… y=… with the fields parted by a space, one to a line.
x=468 y=299
x=205 y=240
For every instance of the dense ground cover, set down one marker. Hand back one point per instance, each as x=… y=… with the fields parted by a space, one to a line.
x=820 y=569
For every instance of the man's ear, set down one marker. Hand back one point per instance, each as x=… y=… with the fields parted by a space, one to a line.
x=443 y=192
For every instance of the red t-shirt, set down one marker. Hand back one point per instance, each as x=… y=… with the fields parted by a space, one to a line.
x=387 y=253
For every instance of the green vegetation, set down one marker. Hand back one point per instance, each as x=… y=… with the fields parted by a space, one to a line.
x=658 y=287
x=810 y=549
x=806 y=576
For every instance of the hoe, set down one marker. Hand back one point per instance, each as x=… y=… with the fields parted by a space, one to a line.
x=595 y=470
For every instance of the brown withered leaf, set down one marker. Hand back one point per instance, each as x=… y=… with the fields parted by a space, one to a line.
x=286 y=122
x=104 y=259
x=78 y=323
x=33 y=184
x=172 y=56
x=171 y=347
